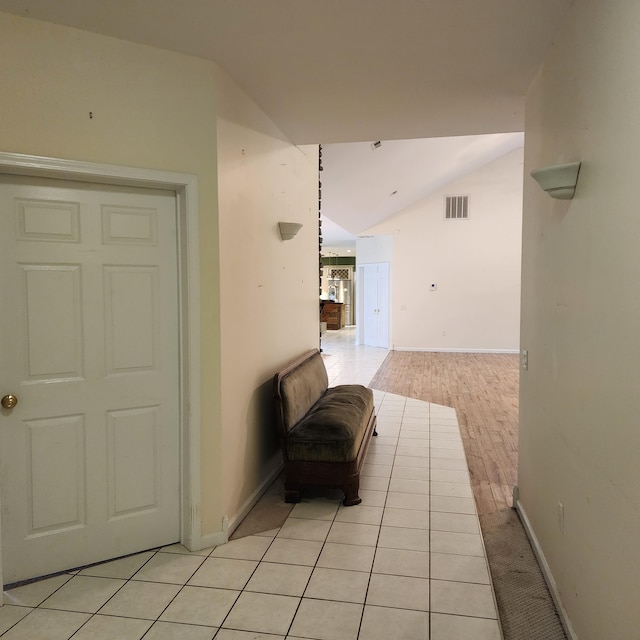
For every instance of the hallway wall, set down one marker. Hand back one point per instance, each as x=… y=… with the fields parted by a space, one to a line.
x=150 y=108
x=268 y=287
x=579 y=403
x=474 y=263
x=76 y=95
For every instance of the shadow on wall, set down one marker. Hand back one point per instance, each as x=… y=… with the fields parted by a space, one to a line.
x=262 y=442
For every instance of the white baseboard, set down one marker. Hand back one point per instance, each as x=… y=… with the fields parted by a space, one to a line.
x=213 y=539
x=275 y=466
x=544 y=567
x=443 y=350
x=199 y=542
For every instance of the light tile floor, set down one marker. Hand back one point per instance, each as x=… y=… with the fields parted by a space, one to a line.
x=408 y=563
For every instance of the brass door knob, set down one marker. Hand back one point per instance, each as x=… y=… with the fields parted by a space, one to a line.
x=9 y=401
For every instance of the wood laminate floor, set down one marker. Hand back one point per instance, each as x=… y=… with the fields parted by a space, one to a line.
x=483 y=389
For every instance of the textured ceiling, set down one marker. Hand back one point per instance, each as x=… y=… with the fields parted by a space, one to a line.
x=343 y=71
x=348 y=70
x=358 y=178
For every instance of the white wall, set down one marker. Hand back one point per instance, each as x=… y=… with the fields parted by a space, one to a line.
x=375 y=249
x=579 y=406
x=268 y=287
x=162 y=110
x=475 y=264
x=151 y=109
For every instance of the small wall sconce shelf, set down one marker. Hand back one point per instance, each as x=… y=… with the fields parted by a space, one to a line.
x=558 y=180
x=288 y=230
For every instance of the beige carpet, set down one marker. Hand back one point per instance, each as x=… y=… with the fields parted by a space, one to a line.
x=527 y=611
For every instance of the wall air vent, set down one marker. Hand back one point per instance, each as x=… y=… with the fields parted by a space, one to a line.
x=456 y=207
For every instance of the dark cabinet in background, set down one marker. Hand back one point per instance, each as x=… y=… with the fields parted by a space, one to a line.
x=333 y=314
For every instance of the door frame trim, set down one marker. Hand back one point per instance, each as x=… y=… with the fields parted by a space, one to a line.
x=185 y=187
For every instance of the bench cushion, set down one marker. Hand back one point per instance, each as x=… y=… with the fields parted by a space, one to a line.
x=334 y=426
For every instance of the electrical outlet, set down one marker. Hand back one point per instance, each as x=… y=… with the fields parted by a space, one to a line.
x=525 y=359
x=561 y=517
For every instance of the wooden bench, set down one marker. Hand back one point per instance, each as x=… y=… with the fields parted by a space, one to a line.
x=324 y=431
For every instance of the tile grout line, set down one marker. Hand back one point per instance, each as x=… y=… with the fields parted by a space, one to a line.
x=241 y=591
x=313 y=568
x=132 y=579
x=76 y=573
x=204 y=559
x=384 y=506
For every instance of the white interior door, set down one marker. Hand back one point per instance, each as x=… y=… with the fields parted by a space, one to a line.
x=89 y=457
x=374 y=279
x=383 y=305
x=369 y=285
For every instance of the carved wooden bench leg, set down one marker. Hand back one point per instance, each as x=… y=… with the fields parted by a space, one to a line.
x=351 y=496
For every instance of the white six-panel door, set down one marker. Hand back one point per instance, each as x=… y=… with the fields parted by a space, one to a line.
x=89 y=457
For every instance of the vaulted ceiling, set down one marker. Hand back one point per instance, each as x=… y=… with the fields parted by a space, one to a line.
x=338 y=71
x=347 y=70
x=364 y=184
